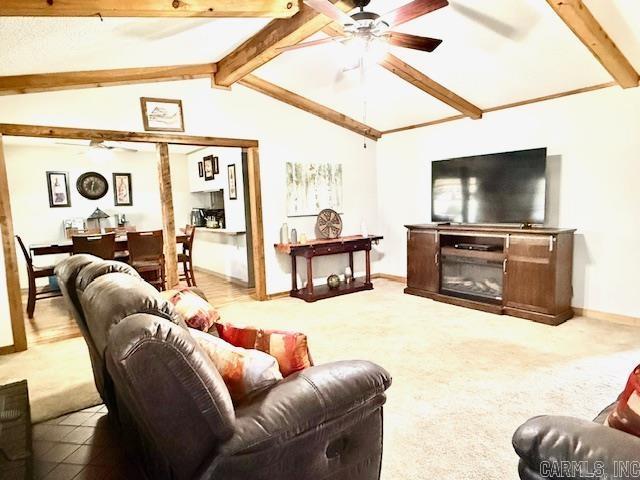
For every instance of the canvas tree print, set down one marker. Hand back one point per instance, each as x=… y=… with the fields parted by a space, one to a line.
x=312 y=187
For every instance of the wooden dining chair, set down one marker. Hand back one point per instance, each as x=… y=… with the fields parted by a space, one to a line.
x=186 y=257
x=103 y=246
x=122 y=255
x=146 y=255
x=34 y=273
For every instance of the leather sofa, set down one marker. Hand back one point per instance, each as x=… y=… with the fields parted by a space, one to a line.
x=173 y=408
x=552 y=446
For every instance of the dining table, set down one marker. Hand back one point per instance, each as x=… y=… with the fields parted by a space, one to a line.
x=66 y=246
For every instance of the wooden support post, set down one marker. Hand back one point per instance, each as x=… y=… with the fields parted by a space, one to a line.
x=11 y=260
x=255 y=197
x=168 y=220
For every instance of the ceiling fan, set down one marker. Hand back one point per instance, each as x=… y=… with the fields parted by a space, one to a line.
x=99 y=144
x=368 y=27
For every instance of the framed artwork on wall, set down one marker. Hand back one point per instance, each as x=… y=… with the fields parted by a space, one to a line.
x=162 y=115
x=216 y=166
x=58 y=186
x=209 y=172
x=233 y=192
x=312 y=187
x=200 y=170
x=122 y=191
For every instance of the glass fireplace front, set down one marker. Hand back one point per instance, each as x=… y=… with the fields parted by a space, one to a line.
x=470 y=277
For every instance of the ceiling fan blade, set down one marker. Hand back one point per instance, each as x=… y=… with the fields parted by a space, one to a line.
x=72 y=144
x=487 y=21
x=310 y=44
x=412 y=10
x=415 y=42
x=330 y=10
x=116 y=146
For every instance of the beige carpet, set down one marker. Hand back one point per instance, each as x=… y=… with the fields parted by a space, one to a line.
x=58 y=375
x=463 y=380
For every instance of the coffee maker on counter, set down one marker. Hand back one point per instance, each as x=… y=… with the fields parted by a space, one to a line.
x=198 y=217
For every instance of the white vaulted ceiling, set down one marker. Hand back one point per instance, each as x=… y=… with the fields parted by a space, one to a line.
x=539 y=56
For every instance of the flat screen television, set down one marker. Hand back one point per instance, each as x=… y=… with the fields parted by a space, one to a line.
x=496 y=188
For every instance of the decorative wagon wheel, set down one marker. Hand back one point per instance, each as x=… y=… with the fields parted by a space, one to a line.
x=329 y=223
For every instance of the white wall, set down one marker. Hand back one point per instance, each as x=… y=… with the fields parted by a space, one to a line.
x=233 y=209
x=593 y=140
x=285 y=134
x=36 y=222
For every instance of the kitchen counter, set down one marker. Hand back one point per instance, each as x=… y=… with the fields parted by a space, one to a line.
x=222 y=231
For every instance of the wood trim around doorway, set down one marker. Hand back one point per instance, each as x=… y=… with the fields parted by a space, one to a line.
x=250 y=147
x=10 y=261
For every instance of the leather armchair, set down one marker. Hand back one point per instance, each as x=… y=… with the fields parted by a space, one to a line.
x=548 y=444
x=175 y=411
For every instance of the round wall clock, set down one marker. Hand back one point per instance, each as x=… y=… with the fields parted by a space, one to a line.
x=92 y=185
x=329 y=223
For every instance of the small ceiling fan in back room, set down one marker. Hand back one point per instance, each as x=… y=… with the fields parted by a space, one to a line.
x=369 y=28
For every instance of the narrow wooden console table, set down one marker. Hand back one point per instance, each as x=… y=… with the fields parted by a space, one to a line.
x=317 y=248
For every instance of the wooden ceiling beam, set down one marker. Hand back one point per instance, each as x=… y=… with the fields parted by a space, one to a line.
x=433 y=88
x=267 y=43
x=149 y=8
x=40 y=131
x=584 y=25
x=295 y=100
x=505 y=106
x=45 y=82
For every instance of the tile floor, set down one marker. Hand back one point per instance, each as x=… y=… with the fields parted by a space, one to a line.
x=81 y=445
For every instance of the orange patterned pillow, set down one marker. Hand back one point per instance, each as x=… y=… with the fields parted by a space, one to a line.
x=626 y=415
x=194 y=310
x=289 y=348
x=245 y=372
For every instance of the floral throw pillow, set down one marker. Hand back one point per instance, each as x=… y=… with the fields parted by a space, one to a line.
x=289 y=348
x=194 y=310
x=245 y=372
x=626 y=415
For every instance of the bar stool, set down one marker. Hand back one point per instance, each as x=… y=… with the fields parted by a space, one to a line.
x=103 y=246
x=146 y=255
x=33 y=274
x=186 y=257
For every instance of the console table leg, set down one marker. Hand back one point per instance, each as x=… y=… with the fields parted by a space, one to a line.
x=309 y=277
x=351 y=264
x=294 y=274
x=368 y=266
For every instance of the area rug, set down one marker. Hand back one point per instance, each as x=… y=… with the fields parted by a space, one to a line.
x=463 y=380
x=58 y=375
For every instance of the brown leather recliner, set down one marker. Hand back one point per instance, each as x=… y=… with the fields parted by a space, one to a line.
x=324 y=422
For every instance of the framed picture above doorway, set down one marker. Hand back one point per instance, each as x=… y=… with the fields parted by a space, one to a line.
x=162 y=115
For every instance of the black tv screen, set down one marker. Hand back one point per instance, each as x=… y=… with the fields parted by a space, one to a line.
x=497 y=188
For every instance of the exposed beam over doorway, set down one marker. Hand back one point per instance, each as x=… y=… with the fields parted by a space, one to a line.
x=121 y=136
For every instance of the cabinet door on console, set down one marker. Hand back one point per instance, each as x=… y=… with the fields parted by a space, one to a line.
x=423 y=269
x=530 y=273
